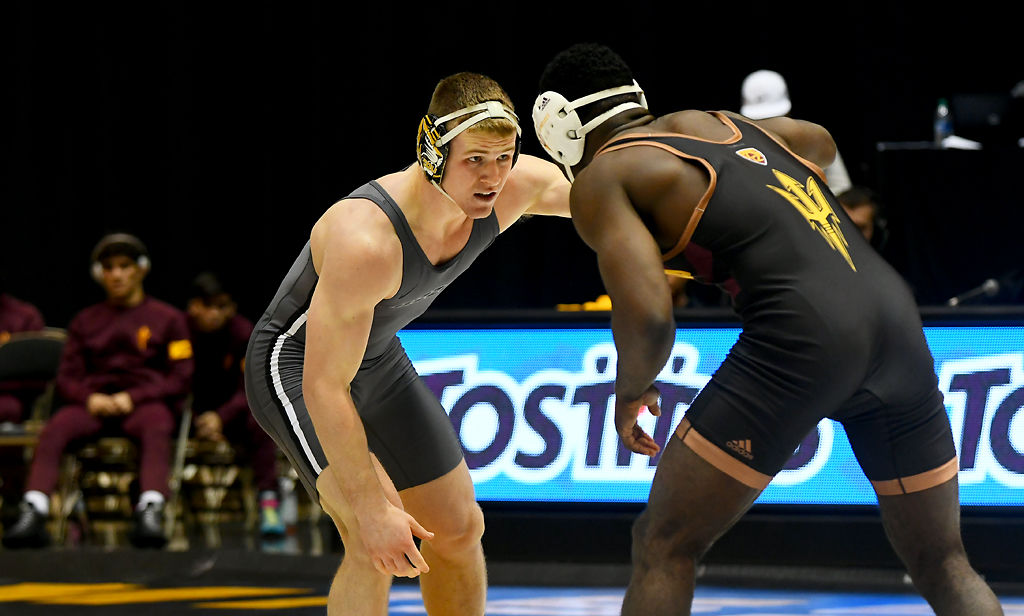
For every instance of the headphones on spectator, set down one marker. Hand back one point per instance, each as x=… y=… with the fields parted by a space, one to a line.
x=432 y=140
x=142 y=260
x=559 y=128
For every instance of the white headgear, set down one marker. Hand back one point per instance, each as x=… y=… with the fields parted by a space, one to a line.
x=559 y=128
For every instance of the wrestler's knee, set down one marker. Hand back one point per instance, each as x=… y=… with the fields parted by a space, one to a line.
x=658 y=543
x=456 y=532
x=331 y=500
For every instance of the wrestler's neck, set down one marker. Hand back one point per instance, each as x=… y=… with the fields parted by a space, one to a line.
x=620 y=125
x=428 y=209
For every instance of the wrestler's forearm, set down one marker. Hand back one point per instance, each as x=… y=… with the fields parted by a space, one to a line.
x=643 y=341
x=643 y=324
x=343 y=439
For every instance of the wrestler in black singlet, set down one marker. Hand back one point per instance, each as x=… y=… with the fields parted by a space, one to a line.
x=829 y=328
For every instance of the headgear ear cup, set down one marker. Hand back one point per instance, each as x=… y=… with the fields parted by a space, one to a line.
x=431 y=156
x=559 y=128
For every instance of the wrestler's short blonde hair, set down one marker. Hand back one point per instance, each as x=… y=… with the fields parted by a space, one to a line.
x=463 y=90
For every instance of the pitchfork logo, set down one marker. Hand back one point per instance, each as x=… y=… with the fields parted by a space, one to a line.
x=811 y=202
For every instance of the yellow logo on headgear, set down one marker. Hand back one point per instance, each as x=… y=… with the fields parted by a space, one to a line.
x=431 y=158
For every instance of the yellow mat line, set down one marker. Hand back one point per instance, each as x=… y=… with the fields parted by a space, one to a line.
x=30 y=591
x=156 y=595
x=265 y=604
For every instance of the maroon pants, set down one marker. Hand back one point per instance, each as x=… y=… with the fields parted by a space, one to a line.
x=151 y=424
x=262 y=452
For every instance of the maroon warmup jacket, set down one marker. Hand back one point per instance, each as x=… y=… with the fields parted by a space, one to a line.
x=144 y=350
x=18 y=316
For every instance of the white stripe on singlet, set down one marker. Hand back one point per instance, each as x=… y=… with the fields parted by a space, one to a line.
x=275 y=376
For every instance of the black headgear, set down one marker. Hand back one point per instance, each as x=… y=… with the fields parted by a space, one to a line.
x=432 y=140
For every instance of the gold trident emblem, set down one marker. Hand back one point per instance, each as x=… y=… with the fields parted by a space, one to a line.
x=815 y=208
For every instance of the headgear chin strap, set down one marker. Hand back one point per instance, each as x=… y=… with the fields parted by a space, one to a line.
x=432 y=140
x=559 y=128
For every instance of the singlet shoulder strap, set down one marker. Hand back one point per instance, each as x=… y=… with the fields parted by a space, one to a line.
x=373 y=191
x=663 y=141
x=612 y=144
x=810 y=165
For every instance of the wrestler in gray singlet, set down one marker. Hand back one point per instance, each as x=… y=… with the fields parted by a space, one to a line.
x=406 y=427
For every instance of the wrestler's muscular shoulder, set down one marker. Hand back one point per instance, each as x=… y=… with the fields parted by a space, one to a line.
x=356 y=236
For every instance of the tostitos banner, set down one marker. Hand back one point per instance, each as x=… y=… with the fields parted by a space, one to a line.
x=533 y=406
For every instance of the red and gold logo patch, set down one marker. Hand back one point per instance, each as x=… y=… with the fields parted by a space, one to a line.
x=753 y=155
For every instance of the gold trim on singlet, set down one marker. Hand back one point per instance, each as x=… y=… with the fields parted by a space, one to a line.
x=815 y=168
x=698 y=212
x=717 y=457
x=918 y=482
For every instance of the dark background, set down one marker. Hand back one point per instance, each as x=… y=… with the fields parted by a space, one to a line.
x=218 y=132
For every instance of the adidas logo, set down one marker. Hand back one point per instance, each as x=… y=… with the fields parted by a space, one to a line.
x=741 y=447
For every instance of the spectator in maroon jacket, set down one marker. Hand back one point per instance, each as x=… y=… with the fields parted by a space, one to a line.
x=126 y=365
x=17 y=316
x=219 y=338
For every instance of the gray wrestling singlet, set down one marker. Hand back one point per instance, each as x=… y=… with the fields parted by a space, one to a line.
x=406 y=426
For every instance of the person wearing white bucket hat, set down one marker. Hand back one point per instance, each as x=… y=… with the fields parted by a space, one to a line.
x=766 y=95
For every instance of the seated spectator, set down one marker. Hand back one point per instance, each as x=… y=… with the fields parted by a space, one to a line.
x=865 y=210
x=126 y=365
x=17 y=316
x=219 y=338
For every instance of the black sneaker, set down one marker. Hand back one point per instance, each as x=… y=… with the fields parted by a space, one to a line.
x=149 y=527
x=29 y=531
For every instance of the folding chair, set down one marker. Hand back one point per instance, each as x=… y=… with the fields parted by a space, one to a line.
x=28 y=357
x=96 y=481
x=34 y=356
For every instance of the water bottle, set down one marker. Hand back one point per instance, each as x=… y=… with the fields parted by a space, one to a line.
x=943 y=122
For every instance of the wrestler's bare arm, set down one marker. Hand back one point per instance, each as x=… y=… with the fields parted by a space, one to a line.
x=643 y=326
x=630 y=264
x=534 y=187
x=806 y=139
x=359 y=261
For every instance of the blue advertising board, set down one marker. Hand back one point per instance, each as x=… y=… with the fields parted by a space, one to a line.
x=533 y=407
